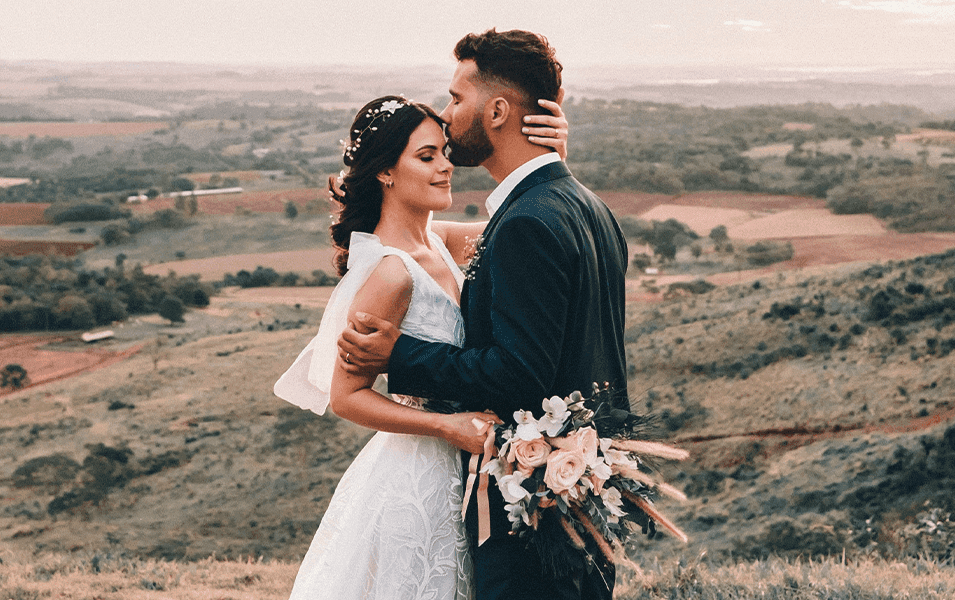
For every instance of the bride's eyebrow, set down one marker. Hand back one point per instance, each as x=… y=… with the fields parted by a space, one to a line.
x=427 y=147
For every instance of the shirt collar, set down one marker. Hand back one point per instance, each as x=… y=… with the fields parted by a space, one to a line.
x=504 y=189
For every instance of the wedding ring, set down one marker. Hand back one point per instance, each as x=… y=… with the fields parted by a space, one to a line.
x=347 y=354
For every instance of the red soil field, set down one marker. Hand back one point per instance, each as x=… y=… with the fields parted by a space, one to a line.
x=76 y=130
x=226 y=204
x=22 y=213
x=44 y=365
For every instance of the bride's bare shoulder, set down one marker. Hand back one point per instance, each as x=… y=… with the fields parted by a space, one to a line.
x=387 y=292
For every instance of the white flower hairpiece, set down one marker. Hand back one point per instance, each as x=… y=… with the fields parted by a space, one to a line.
x=379 y=114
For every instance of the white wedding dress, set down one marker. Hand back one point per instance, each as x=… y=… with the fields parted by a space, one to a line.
x=393 y=529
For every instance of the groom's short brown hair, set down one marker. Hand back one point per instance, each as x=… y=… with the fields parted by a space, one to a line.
x=518 y=59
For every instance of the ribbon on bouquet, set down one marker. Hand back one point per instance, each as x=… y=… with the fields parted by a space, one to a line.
x=483 y=478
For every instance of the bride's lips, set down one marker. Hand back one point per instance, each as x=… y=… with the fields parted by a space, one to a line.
x=442 y=184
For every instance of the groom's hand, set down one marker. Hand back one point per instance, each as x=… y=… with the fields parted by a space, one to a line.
x=365 y=345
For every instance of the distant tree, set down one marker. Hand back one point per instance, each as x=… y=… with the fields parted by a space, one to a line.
x=182 y=184
x=641 y=262
x=719 y=234
x=291 y=211
x=697 y=250
x=152 y=193
x=73 y=312
x=114 y=234
x=173 y=309
x=13 y=376
x=471 y=210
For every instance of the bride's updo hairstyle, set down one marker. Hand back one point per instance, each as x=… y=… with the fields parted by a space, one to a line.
x=378 y=136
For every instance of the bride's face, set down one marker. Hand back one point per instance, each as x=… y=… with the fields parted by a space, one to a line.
x=422 y=176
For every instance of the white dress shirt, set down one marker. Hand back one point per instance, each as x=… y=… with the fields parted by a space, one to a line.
x=501 y=192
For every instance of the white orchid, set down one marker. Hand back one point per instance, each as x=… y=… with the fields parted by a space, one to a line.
x=511 y=488
x=517 y=512
x=614 y=503
x=555 y=415
x=601 y=469
x=495 y=468
x=527 y=427
x=391 y=106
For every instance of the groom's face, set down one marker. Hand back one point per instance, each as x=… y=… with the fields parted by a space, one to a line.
x=468 y=142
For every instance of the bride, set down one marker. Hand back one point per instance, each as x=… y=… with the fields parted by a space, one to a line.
x=393 y=529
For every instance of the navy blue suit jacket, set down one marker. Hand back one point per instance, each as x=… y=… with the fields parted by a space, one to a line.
x=543 y=307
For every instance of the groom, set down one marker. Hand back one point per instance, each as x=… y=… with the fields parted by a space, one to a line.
x=543 y=302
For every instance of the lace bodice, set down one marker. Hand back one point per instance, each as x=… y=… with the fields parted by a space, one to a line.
x=433 y=316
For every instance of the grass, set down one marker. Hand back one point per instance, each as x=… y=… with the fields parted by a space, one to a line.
x=104 y=577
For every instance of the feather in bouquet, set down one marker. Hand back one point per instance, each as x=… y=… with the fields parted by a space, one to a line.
x=581 y=477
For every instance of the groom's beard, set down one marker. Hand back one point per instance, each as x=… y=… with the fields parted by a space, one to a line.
x=472 y=147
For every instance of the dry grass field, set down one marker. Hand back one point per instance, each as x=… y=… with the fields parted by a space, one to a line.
x=171 y=471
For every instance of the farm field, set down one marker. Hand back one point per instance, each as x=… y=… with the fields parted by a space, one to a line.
x=78 y=130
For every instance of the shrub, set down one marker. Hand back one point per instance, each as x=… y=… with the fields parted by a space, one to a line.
x=65 y=213
x=13 y=376
x=471 y=210
x=114 y=234
x=767 y=252
x=73 y=312
x=173 y=309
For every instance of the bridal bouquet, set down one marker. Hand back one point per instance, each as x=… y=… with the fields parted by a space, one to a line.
x=581 y=472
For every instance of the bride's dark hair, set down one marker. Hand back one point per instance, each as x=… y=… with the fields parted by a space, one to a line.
x=378 y=136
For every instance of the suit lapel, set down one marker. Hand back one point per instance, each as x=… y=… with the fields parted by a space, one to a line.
x=548 y=172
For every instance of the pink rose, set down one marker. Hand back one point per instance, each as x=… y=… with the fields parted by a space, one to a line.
x=529 y=453
x=587 y=442
x=564 y=470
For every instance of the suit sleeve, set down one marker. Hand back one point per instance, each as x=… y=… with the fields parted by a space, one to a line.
x=529 y=305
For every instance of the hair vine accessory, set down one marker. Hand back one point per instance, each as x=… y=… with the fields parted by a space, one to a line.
x=381 y=113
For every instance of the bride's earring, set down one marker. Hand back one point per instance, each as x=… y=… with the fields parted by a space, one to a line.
x=390 y=184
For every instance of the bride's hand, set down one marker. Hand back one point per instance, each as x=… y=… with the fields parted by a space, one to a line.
x=468 y=431
x=548 y=130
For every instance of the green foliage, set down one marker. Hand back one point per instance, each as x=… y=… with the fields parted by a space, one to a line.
x=181 y=184
x=69 y=212
x=49 y=293
x=173 y=309
x=914 y=202
x=767 y=252
x=640 y=262
x=44 y=147
x=13 y=376
x=291 y=211
x=471 y=210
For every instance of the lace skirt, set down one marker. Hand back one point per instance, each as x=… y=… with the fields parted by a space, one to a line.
x=393 y=529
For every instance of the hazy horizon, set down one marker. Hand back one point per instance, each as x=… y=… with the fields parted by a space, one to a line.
x=855 y=34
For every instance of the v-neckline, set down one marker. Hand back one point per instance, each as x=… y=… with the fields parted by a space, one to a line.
x=433 y=279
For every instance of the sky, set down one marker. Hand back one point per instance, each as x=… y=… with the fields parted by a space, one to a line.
x=827 y=33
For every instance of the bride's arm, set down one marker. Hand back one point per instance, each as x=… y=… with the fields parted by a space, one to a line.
x=387 y=294
x=459 y=237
